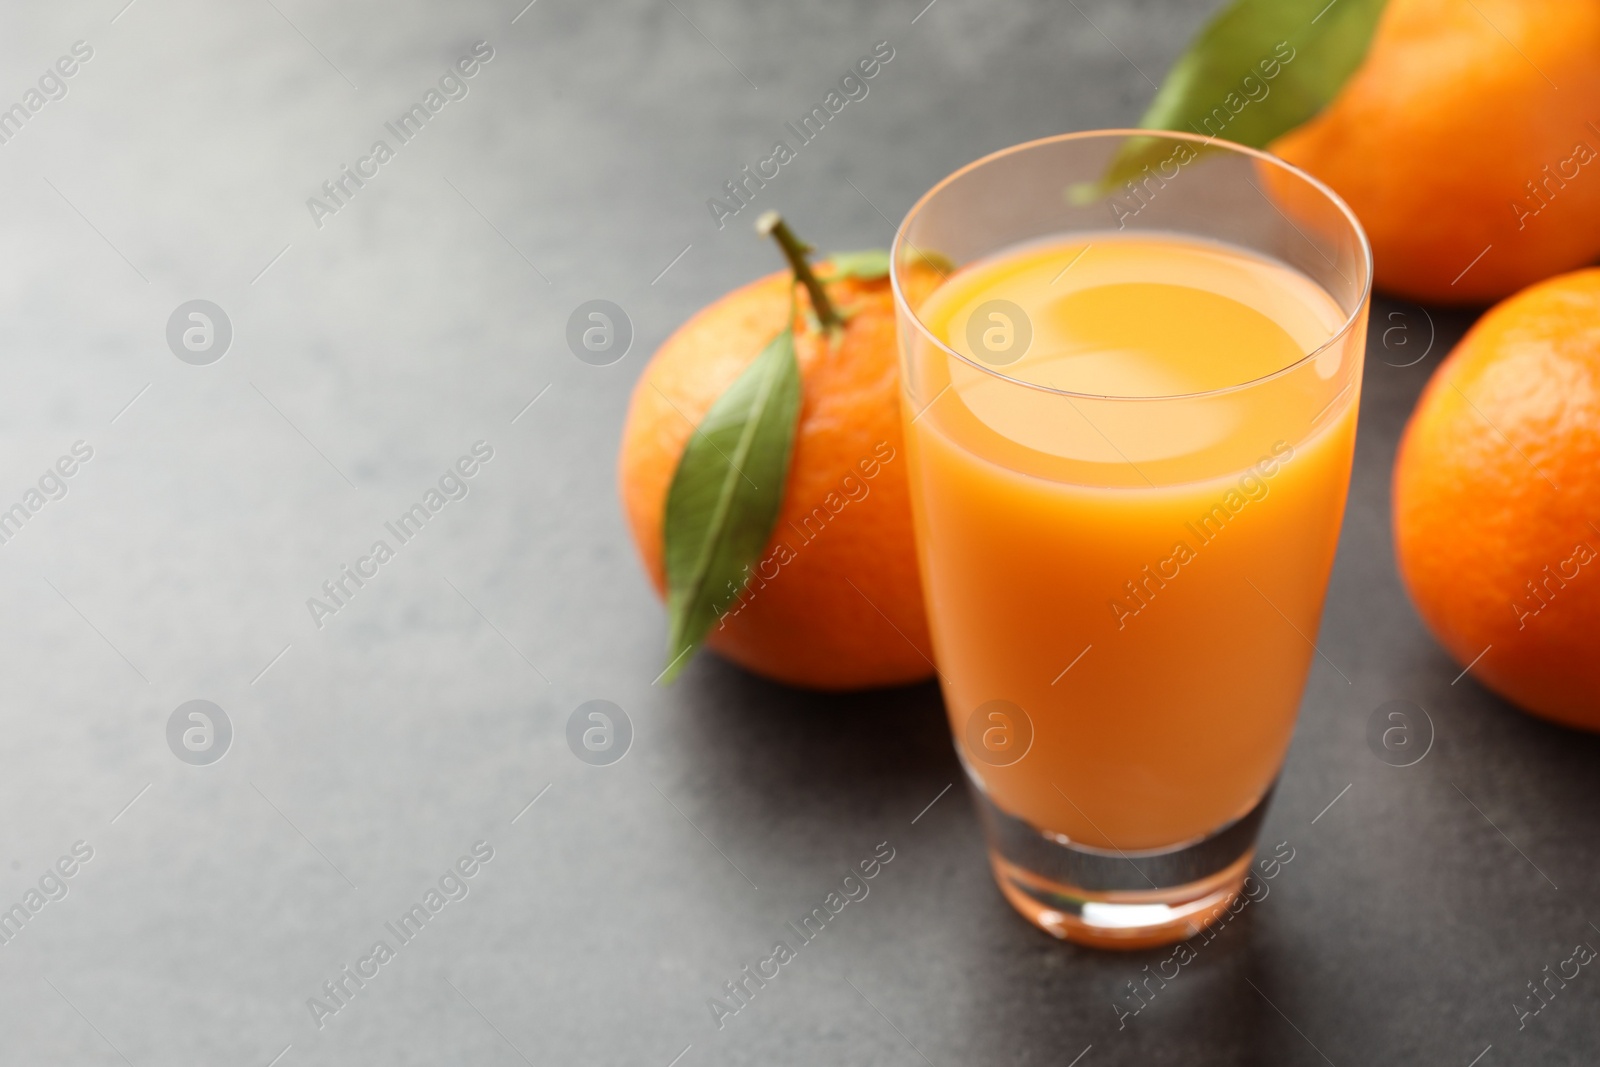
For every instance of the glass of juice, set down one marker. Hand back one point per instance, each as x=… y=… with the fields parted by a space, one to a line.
x=1130 y=414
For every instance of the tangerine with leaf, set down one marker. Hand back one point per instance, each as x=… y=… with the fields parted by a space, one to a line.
x=1465 y=134
x=763 y=475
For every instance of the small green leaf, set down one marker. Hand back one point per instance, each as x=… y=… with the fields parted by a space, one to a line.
x=1313 y=47
x=726 y=493
x=868 y=265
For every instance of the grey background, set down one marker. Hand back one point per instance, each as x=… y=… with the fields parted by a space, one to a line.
x=370 y=754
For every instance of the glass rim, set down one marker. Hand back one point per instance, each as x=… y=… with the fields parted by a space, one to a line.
x=901 y=242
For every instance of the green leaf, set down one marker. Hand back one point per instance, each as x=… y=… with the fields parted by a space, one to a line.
x=1313 y=47
x=867 y=265
x=725 y=495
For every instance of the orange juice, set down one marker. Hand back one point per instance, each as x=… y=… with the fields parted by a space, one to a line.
x=1145 y=589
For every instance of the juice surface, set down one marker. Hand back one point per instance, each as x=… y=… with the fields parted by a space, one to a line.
x=1143 y=578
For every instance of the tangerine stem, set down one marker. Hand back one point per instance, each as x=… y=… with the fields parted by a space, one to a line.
x=771 y=224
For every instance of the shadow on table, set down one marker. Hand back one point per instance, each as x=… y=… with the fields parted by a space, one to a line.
x=784 y=752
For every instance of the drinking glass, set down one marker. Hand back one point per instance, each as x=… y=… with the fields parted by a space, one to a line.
x=1124 y=591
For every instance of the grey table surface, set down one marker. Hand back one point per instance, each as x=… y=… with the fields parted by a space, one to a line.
x=372 y=347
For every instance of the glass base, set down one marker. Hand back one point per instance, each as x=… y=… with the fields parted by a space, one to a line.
x=1114 y=899
x=1125 y=920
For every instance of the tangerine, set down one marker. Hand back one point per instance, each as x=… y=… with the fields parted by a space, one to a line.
x=1467 y=144
x=835 y=599
x=1496 y=500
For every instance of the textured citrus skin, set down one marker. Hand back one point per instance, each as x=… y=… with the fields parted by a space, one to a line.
x=1496 y=486
x=1437 y=134
x=837 y=600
